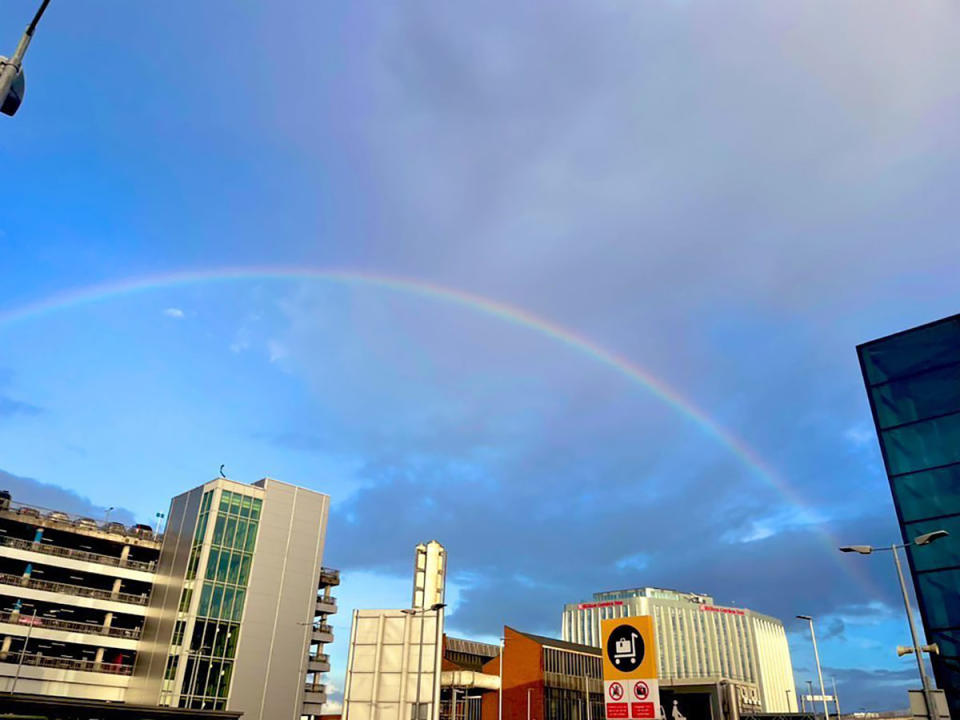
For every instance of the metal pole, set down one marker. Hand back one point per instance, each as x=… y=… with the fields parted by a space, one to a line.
x=437 y=663
x=787 y=693
x=812 y=702
x=836 y=699
x=33 y=620
x=419 y=665
x=816 y=655
x=528 y=703
x=11 y=68
x=586 y=692
x=913 y=634
x=503 y=645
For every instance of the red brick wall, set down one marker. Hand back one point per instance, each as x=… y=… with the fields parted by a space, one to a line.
x=522 y=671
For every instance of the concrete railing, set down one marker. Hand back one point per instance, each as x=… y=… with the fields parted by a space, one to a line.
x=69 y=625
x=47 y=549
x=72 y=589
x=36 y=660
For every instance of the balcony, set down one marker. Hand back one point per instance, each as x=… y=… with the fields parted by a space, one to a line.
x=326 y=604
x=35 y=660
x=322 y=633
x=318 y=663
x=77 y=554
x=77 y=590
x=69 y=626
x=314 y=694
x=328 y=576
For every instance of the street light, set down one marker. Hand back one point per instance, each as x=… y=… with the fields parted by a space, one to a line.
x=816 y=656
x=920 y=540
x=436 y=607
x=12 y=83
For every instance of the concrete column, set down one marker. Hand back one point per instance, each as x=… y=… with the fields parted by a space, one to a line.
x=124 y=554
x=98 y=658
x=107 y=622
x=116 y=586
x=5 y=647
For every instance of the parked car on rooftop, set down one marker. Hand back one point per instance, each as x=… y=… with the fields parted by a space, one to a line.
x=89 y=523
x=58 y=516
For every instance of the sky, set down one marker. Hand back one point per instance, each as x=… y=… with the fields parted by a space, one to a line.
x=494 y=200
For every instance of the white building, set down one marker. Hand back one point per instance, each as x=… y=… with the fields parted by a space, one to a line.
x=699 y=640
x=395 y=654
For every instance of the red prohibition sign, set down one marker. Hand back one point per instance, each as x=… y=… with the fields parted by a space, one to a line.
x=616 y=691
x=641 y=690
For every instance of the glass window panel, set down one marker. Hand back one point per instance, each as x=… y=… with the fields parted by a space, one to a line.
x=201 y=528
x=212 y=560
x=936 y=392
x=205 y=503
x=938 y=554
x=227 y=609
x=230 y=531
x=241 y=534
x=187 y=677
x=233 y=635
x=251 y=538
x=235 y=561
x=215 y=600
x=238 y=605
x=928 y=494
x=223 y=567
x=244 y=570
x=220 y=639
x=255 y=509
x=245 y=506
x=235 y=504
x=940 y=598
x=204 y=607
x=213 y=679
x=923 y=445
x=226 y=673
x=225 y=501
x=185 y=599
x=911 y=352
x=218 y=530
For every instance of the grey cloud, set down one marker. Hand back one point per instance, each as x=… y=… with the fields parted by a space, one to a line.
x=10 y=407
x=53 y=497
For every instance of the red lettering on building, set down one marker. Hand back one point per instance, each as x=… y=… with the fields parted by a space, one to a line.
x=725 y=611
x=587 y=606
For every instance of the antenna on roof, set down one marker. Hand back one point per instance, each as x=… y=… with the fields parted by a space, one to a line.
x=221 y=470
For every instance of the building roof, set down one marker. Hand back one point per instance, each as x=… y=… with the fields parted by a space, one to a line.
x=560 y=644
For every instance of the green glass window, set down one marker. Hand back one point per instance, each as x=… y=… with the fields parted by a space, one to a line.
x=216 y=598
x=224 y=565
x=244 y=569
x=923 y=445
x=238 y=605
x=171 y=670
x=241 y=534
x=255 y=509
x=218 y=530
x=235 y=504
x=234 y=576
x=928 y=494
x=936 y=392
x=941 y=554
x=178 y=633
x=251 y=539
x=230 y=532
x=910 y=353
x=225 y=501
x=185 y=596
x=940 y=597
x=203 y=609
x=245 y=506
x=228 y=596
x=212 y=560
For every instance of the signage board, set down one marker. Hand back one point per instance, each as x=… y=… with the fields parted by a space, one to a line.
x=629 y=648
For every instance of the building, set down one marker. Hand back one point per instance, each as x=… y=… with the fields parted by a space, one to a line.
x=700 y=641
x=913 y=385
x=73 y=598
x=395 y=653
x=227 y=612
x=237 y=618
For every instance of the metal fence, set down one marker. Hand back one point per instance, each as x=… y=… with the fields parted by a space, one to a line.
x=72 y=589
x=37 y=660
x=69 y=625
x=48 y=549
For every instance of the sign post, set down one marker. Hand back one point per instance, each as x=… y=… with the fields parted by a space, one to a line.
x=631 y=690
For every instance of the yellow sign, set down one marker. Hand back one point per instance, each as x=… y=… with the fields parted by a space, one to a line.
x=629 y=648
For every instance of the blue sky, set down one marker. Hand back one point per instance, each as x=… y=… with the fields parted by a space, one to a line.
x=729 y=195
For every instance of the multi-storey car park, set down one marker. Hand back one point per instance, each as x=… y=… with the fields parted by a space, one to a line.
x=228 y=611
x=73 y=596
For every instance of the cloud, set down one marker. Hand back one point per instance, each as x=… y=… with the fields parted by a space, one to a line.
x=10 y=407
x=173 y=312
x=53 y=497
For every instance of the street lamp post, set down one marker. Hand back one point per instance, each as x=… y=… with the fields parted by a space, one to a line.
x=437 y=607
x=920 y=540
x=23 y=650
x=836 y=699
x=816 y=656
x=11 y=69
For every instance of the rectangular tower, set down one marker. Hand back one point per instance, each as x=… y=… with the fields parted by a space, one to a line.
x=913 y=383
x=235 y=621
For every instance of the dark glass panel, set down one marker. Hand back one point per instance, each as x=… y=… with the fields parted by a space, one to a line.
x=212 y=560
x=251 y=538
x=241 y=534
x=225 y=501
x=932 y=393
x=204 y=606
x=940 y=598
x=218 y=530
x=245 y=506
x=229 y=533
x=187 y=677
x=244 y=570
x=227 y=610
x=234 y=576
x=235 y=504
x=238 y=605
x=215 y=599
x=928 y=494
x=226 y=674
x=223 y=567
x=255 y=509
x=923 y=445
x=912 y=352
x=940 y=553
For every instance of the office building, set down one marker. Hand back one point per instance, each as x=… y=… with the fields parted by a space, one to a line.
x=913 y=385
x=395 y=653
x=237 y=618
x=228 y=613
x=700 y=641
x=73 y=597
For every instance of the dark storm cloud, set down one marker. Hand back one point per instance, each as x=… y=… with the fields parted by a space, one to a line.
x=54 y=497
x=859 y=689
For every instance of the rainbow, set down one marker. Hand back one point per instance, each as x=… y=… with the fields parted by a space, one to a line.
x=476 y=303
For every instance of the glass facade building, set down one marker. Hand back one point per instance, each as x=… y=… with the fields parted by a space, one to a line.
x=913 y=383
